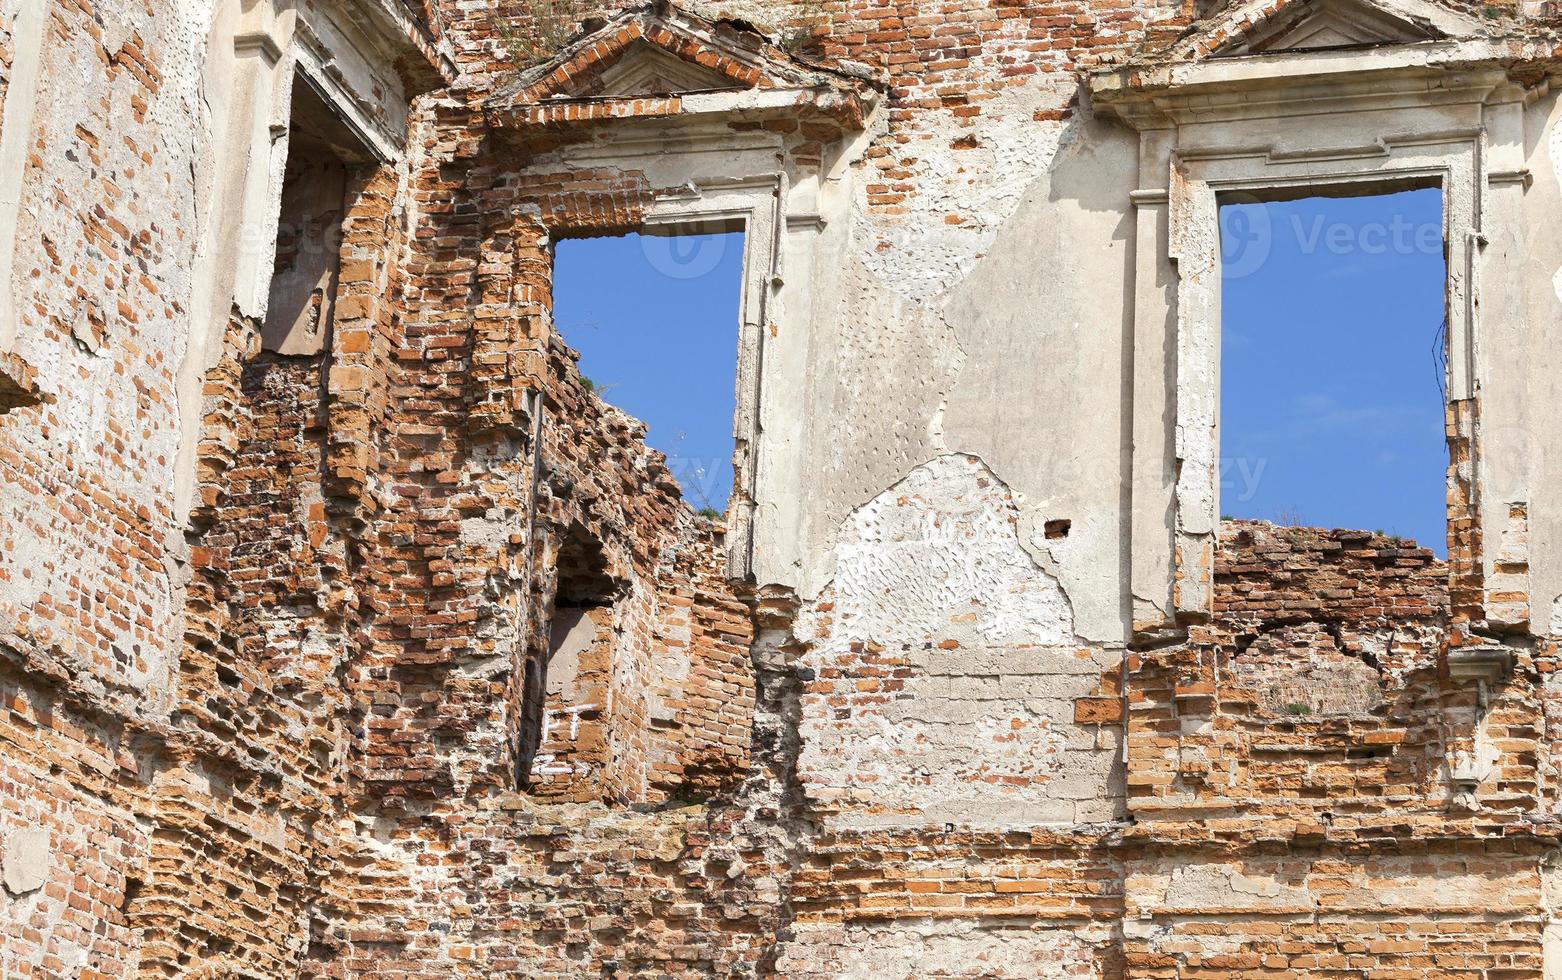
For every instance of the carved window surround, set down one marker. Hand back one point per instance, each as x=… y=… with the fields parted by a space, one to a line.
x=1377 y=120
x=725 y=179
x=366 y=59
x=617 y=100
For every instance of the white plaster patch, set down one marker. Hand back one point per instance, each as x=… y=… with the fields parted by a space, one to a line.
x=924 y=949
x=27 y=859
x=940 y=552
x=1554 y=147
x=944 y=772
x=1214 y=888
x=487 y=533
x=1400 y=888
x=947 y=668
x=884 y=368
x=975 y=171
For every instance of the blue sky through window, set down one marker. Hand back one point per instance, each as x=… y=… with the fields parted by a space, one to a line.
x=656 y=322
x=1331 y=363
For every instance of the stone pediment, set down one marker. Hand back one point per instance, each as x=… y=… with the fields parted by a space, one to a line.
x=1325 y=53
x=646 y=59
x=1266 y=27
x=646 y=69
x=1323 y=24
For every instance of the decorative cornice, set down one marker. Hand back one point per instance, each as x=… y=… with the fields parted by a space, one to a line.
x=1317 y=81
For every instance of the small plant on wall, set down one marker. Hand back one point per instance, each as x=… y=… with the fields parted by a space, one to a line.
x=807 y=22
x=539 y=29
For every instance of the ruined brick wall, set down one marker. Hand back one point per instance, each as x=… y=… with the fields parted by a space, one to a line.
x=89 y=547
x=72 y=844
x=703 y=712
x=1277 y=765
x=474 y=513
x=1321 y=677
x=1324 y=677
x=340 y=723
x=903 y=652
x=489 y=539
x=249 y=817
x=177 y=720
x=261 y=678
x=97 y=282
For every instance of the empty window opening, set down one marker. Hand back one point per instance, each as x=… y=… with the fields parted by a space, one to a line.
x=567 y=687
x=1333 y=359
x=655 y=318
x=321 y=154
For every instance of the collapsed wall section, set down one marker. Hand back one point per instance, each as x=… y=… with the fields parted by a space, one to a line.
x=555 y=644
x=1322 y=666
x=1317 y=785
x=248 y=836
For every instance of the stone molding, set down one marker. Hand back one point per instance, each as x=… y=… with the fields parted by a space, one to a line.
x=1391 y=118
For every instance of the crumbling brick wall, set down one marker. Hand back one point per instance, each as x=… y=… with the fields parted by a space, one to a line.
x=1320 y=677
x=1271 y=762
x=171 y=801
x=313 y=730
x=480 y=503
x=488 y=533
x=247 y=838
x=86 y=566
x=90 y=550
x=70 y=775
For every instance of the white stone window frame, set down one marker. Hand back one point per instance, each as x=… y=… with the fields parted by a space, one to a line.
x=1377 y=122
x=752 y=205
x=724 y=177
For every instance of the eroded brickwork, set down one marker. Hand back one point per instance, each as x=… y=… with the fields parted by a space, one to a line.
x=1318 y=716
x=1320 y=678
x=440 y=675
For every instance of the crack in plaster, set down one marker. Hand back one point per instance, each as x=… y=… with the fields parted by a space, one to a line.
x=937 y=437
